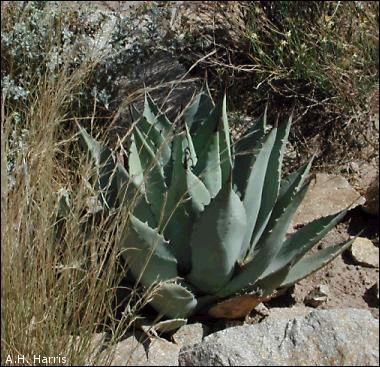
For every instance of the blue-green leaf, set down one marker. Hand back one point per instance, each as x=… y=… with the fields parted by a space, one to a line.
x=174 y=300
x=198 y=111
x=245 y=150
x=271 y=183
x=254 y=187
x=256 y=265
x=154 y=117
x=104 y=167
x=157 y=142
x=225 y=144
x=216 y=241
x=208 y=168
x=314 y=262
x=204 y=132
x=298 y=244
x=200 y=196
x=147 y=253
x=177 y=219
x=154 y=180
x=130 y=195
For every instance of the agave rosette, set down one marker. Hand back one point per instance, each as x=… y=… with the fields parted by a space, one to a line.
x=210 y=217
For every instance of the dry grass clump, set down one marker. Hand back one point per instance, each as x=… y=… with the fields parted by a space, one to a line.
x=58 y=281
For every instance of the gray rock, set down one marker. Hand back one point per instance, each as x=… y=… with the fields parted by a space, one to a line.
x=366 y=181
x=317 y=296
x=371 y=195
x=322 y=337
x=164 y=77
x=162 y=353
x=96 y=344
x=288 y=313
x=129 y=352
x=262 y=309
x=365 y=253
x=189 y=334
x=327 y=194
x=91 y=347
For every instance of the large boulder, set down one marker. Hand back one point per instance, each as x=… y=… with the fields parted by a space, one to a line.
x=321 y=337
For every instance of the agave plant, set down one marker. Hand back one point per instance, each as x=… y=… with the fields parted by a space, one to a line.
x=210 y=216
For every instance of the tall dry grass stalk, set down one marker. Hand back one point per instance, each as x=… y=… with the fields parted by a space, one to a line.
x=54 y=288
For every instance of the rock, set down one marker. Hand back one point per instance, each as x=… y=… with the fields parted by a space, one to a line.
x=278 y=312
x=262 y=309
x=129 y=352
x=162 y=353
x=366 y=182
x=365 y=253
x=154 y=328
x=91 y=347
x=327 y=194
x=189 y=334
x=165 y=76
x=322 y=337
x=96 y=344
x=288 y=313
x=317 y=296
x=371 y=195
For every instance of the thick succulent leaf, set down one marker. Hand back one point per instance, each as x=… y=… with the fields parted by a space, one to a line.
x=104 y=165
x=158 y=143
x=134 y=167
x=205 y=132
x=178 y=230
x=293 y=186
x=272 y=182
x=289 y=180
x=146 y=253
x=154 y=180
x=134 y=113
x=298 y=244
x=174 y=300
x=208 y=168
x=254 y=267
x=289 y=188
x=225 y=144
x=130 y=195
x=178 y=188
x=267 y=285
x=177 y=220
x=189 y=158
x=190 y=146
x=310 y=264
x=154 y=117
x=245 y=150
x=198 y=111
x=216 y=241
x=125 y=187
x=262 y=121
x=254 y=187
x=200 y=196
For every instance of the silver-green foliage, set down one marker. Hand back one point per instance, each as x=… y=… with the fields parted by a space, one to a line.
x=210 y=217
